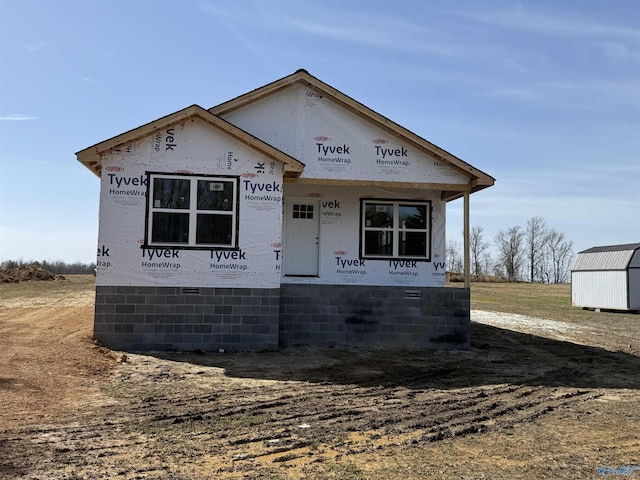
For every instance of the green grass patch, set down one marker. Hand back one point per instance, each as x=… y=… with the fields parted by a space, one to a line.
x=46 y=288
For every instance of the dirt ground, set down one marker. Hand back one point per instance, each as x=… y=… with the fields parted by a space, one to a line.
x=533 y=398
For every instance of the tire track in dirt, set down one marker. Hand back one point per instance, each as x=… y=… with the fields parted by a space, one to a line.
x=293 y=422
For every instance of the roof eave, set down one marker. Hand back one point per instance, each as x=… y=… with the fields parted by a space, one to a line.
x=91 y=157
x=473 y=187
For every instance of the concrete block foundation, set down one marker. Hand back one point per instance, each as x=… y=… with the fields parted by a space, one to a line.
x=186 y=319
x=371 y=316
x=249 y=319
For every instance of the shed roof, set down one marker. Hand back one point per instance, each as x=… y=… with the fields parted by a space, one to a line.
x=478 y=180
x=611 y=257
x=91 y=157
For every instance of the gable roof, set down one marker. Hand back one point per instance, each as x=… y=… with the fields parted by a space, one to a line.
x=478 y=179
x=612 y=257
x=613 y=248
x=91 y=157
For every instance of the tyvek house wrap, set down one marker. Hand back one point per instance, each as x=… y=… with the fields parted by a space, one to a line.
x=340 y=261
x=193 y=147
x=335 y=143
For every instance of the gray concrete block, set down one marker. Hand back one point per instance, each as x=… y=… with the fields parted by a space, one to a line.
x=145 y=309
x=184 y=328
x=163 y=328
x=251 y=319
x=203 y=309
x=204 y=328
x=165 y=290
x=212 y=319
x=123 y=328
x=252 y=300
x=231 y=300
x=105 y=290
x=213 y=299
x=102 y=328
x=184 y=310
x=124 y=308
x=125 y=289
x=105 y=308
x=165 y=309
x=175 y=299
x=143 y=328
x=115 y=299
x=136 y=299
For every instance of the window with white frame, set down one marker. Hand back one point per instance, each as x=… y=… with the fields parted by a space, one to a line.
x=191 y=211
x=395 y=229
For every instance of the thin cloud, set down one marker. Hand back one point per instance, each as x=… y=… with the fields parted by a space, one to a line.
x=586 y=95
x=618 y=52
x=34 y=46
x=17 y=117
x=365 y=28
x=91 y=80
x=220 y=12
x=382 y=32
x=519 y=19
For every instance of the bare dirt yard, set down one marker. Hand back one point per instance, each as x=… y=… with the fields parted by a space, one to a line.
x=546 y=391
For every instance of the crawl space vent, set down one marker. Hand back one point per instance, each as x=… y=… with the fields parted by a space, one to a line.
x=190 y=291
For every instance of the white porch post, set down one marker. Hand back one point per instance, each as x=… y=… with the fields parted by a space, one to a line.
x=467 y=256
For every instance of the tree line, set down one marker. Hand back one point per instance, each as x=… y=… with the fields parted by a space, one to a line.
x=537 y=253
x=58 y=267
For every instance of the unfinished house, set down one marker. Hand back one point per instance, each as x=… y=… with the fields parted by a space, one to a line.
x=290 y=215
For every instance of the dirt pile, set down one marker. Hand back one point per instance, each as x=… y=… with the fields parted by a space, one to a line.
x=26 y=273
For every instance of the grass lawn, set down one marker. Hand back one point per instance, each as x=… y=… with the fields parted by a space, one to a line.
x=552 y=302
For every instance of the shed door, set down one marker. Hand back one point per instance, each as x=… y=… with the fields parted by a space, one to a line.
x=301 y=248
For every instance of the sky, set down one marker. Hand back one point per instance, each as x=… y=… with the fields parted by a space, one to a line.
x=542 y=95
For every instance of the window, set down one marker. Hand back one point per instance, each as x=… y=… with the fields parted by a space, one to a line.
x=395 y=229
x=191 y=211
x=302 y=211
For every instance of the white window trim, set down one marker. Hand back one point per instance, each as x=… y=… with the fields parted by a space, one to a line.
x=192 y=211
x=395 y=229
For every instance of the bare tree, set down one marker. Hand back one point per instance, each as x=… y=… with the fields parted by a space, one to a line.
x=454 y=257
x=478 y=247
x=536 y=239
x=510 y=251
x=487 y=262
x=560 y=253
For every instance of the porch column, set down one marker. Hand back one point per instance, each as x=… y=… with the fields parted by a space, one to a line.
x=467 y=256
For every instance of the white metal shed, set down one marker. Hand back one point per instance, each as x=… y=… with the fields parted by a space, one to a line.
x=607 y=277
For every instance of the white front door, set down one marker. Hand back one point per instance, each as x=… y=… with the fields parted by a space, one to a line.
x=302 y=231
